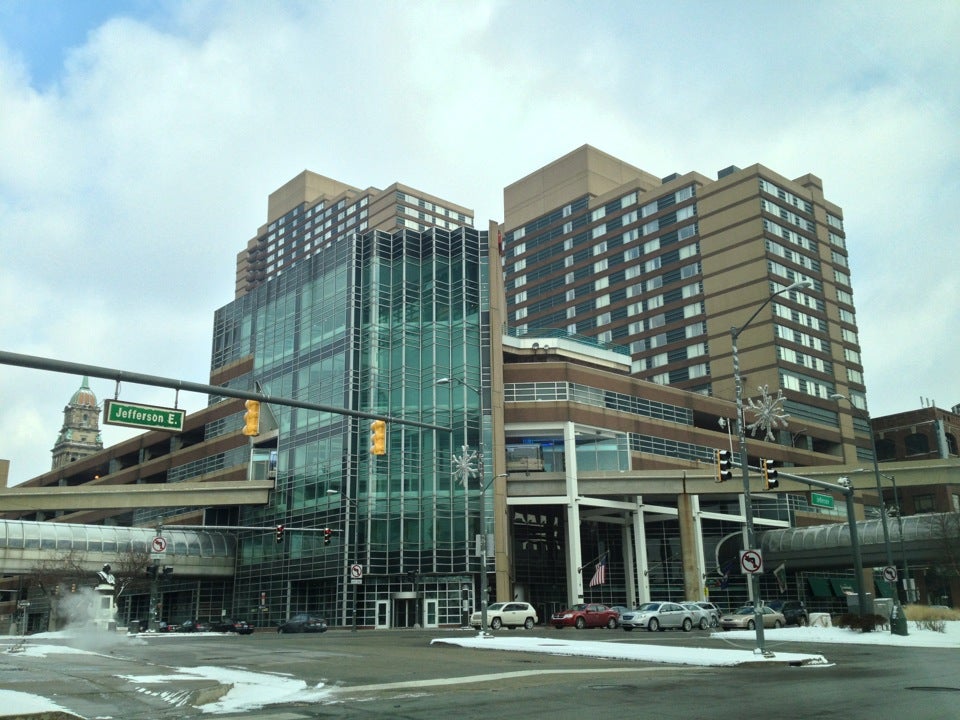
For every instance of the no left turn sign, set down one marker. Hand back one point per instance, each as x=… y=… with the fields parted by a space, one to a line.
x=159 y=544
x=751 y=562
x=890 y=573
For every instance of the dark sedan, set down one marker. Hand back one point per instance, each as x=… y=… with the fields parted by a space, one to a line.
x=240 y=627
x=189 y=626
x=303 y=624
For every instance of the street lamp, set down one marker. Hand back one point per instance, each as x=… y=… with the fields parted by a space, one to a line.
x=903 y=548
x=354 y=505
x=898 y=624
x=735 y=333
x=484 y=584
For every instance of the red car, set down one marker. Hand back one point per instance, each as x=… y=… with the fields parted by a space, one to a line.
x=586 y=615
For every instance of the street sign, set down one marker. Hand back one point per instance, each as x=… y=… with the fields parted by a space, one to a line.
x=158 y=545
x=148 y=417
x=23 y=603
x=818 y=500
x=751 y=562
x=356 y=571
x=890 y=573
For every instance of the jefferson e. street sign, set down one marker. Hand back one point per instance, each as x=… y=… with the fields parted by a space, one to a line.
x=819 y=500
x=148 y=417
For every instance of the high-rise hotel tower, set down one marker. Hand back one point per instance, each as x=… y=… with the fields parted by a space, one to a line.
x=596 y=247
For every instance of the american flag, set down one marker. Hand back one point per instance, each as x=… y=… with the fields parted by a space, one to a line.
x=600 y=574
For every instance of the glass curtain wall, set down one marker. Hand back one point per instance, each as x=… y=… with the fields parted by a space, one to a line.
x=369 y=324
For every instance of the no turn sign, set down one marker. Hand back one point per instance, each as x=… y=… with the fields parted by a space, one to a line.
x=890 y=573
x=751 y=562
x=159 y=544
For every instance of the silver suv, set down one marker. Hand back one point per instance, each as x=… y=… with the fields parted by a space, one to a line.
x=713 y=612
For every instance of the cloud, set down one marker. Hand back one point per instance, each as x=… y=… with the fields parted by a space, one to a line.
x=143 y=166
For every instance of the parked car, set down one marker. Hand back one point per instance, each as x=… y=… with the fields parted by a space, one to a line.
x=744 y=619
x=714 y=612
x=701 y=617
x=189 y=626
x=240 y=627
x=621 y=609
x=164 y=627
x=794 y=611
x=303 y=624
x=658 y=616
x=586 y=615
x=507 y=614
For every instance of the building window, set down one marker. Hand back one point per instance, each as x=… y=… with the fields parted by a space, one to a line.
x=602 y=301
x=923 y=504
x=916 y=444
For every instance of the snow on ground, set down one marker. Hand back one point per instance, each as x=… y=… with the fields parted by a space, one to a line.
x=742 y=645
x=252 y=690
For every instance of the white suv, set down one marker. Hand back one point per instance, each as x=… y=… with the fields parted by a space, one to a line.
x=713 y=612
x=509 y=614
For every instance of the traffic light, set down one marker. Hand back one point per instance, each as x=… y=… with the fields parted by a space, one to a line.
x=279 y=533
x=327 y=533
x=770 y=481
x=251 y=418
x=724 y=466
x=378 y=437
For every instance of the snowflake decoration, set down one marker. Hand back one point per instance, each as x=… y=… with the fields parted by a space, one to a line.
x=769 y=414
x=463 y=465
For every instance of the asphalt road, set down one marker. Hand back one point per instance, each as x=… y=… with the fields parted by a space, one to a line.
x=399 y=674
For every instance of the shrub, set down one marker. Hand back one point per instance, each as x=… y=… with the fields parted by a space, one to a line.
x=854 y=622
x=919 y=613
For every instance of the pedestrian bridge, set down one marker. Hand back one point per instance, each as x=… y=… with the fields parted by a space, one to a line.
x=26 y=545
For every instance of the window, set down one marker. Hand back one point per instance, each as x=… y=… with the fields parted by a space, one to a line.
x=568 y=261
x=696 y=371
x=688 y=271
x=598 y=213
x=651 y=265
x=599 y=230
x=651 y=245
x=572 y=329
x=602 y=301
x=519 y=249
x=568 y=243
x=631 y=272
x=657 y=340
x=631 y=254
x=654 y=283
x=693 y=330
x=601 y=284
x=603 y=319
x=696 y=350
x=658 y=360
x=654 y=302
x=520 y=297
x=635 y=328
x=634 y=308
x=571 y=295
x=634 y=290
x=520 y=314
x=691 y=290
x=571 y=313
x=519 y=265
x=605 y=337
x=657 y=321
x=600 y=265
x=923 y=504
x=648 y=209
x=687 y=251
x=650 y=227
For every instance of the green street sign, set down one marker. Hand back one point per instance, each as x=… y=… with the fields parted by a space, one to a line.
x=148 y=417
x=818 y=500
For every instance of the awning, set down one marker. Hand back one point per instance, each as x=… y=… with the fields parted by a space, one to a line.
x=884 y=589
x=842 y=587
x=820 y=587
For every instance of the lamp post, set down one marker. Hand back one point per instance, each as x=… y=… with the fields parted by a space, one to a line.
x=735 y=333
x=898 y=622
x=354 y=505
x=903 y=548
x=484 y=584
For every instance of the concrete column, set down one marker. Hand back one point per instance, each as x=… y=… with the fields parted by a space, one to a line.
x=691 y=548
x=640 y=549
x=574 y=553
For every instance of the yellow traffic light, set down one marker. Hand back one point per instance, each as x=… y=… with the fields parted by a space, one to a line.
x=378 y=437
x=251 y=418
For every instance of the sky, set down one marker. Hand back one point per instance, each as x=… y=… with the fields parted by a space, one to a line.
x=253 y=690
x=139 y=141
